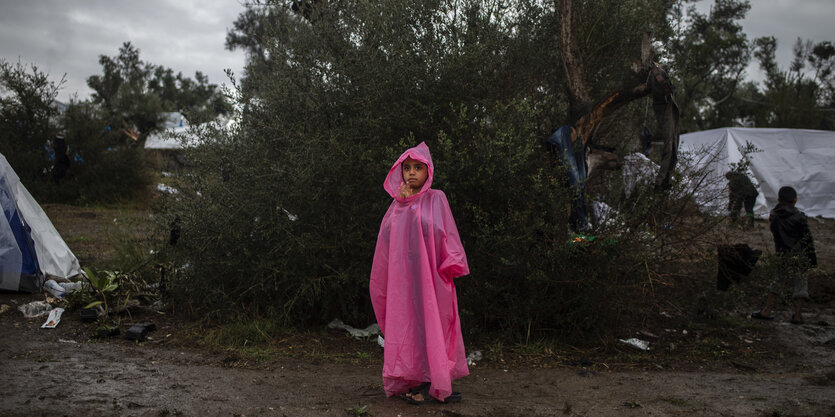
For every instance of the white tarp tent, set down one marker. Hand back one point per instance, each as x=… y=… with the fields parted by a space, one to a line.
x=803 y=159
x=174 y=126
x=23 y=216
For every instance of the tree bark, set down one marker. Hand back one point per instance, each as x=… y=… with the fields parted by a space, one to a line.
x=585 y=118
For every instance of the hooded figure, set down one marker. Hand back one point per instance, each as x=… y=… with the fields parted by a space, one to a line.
x=418 y=254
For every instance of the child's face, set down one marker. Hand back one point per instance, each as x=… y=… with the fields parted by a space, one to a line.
x=414 y=173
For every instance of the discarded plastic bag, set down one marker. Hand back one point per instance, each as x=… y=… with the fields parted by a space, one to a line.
x=35 y=309
x=70 y=287
x=53 y=288
x=357 y=333
x=53 y=319
x=636 y=343
x=381 y=341
x=473 y=357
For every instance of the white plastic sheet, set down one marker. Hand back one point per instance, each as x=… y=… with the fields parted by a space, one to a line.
x=802 y=159
x=371 y=330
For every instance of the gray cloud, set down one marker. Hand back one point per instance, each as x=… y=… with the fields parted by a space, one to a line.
x=786 y=20
x=188 y=35
x=69 y=36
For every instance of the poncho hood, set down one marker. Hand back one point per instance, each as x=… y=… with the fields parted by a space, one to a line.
x=394 y=179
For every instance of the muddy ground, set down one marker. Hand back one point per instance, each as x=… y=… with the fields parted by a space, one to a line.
x=727 y=365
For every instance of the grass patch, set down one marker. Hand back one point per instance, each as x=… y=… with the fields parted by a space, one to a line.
x=359 y=411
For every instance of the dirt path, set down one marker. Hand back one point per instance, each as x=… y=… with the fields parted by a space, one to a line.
x=770 y=369
x=61 y=372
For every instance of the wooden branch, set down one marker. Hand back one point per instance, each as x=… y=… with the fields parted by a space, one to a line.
x=572 y=61
x=635 y=88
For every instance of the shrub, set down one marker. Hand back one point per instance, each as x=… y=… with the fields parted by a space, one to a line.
x=279 y=216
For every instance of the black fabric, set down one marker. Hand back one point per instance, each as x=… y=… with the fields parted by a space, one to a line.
x=792 y=236
x=667 y=115
x=573 y=159
x=735 y=262
x=62 y=161
x=740 y=186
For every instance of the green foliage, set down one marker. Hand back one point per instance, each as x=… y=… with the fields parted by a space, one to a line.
x=105 y=283
x=26 y=97
x=359 y=411
x=792 y=98
x=744 y=162
x=107 y=161
x=280 y=215
x=134 y=94
x=102 y=168
x=708 y=56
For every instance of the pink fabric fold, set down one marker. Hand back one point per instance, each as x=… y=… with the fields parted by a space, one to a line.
x=418 y=254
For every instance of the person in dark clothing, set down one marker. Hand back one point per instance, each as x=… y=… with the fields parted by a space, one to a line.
x=741 y=191
x=62 y=159
x=795 y=250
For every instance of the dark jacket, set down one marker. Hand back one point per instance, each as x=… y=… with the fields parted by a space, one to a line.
x=791 y=232
x=740 y=186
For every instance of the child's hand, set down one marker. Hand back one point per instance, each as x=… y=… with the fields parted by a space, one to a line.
x=405 y=191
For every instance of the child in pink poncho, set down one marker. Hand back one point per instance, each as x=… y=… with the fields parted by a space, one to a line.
x=418 y=254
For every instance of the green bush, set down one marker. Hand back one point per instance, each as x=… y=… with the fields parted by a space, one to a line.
x=279 y=216
x=102 y=169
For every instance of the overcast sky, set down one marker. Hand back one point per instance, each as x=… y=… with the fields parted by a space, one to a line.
x=67 y=36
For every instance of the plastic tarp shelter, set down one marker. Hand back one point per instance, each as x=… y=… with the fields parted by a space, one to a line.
x=174 y=126
x=803 y=159
x=175 y=129
x=30 y=247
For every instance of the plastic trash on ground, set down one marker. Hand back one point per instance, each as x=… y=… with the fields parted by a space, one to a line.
x=473 y=357
x=371 y=330
x=636 y=343
x=53 y=288
x=53 y=319
x=139 y=331
x=381 y=341
x=166 y=189
x=89 y=315
x=70 y=287
x=35 y=309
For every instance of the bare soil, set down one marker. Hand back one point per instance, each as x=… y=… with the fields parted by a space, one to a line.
x=719 y=364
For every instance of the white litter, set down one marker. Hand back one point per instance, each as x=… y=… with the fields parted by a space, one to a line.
x=71 y=286
x=473 y=357
x=357 y=333
x=53 y=288
x=35 y=309
x=636 y=343
x=53 y=319
x=381 y=341
x=166 y=189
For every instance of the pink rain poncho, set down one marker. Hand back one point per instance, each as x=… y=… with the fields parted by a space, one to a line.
x=418 y=254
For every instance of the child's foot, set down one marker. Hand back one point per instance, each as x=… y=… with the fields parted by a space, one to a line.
x=424 y=398
x=420 y=389
x=796 y=320
x=758 y=315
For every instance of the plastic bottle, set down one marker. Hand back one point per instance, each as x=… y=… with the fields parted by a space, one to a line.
x=53 y=288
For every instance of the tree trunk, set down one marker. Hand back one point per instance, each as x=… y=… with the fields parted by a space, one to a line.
x=646 y=78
